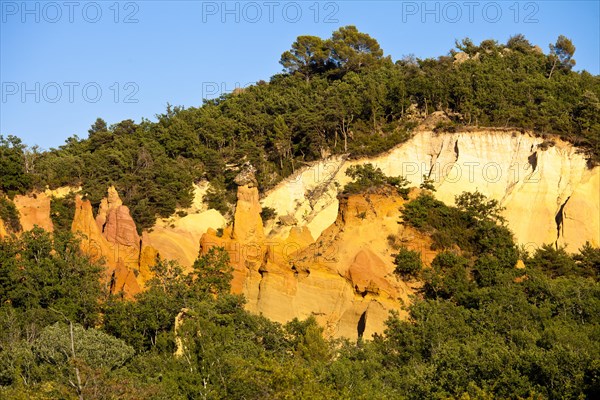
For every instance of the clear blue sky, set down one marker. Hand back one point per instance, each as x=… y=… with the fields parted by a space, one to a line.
x=56 y=55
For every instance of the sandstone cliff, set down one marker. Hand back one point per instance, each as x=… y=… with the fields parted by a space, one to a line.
x=178 y=237
x=550 y=194
x=120 y=266
x=34 y=209
x=113 y=235
x=344 y=278
x=330 y=256
x=119 y=230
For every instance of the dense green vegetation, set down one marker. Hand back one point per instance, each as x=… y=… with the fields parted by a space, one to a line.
x=9 y=215
x=62 y=212
x=13 y=162
x=336 y=95
x=408 y=263
x=478 y=329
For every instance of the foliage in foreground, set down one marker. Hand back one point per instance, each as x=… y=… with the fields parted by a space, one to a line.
x=479 y=329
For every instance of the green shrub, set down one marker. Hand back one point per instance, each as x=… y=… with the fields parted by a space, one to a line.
x=408 y=263
x=268 y=213
x=10 y=215
x=368 y=178
x=95 y=347
x=427 y=184
x=62 y=212
x=473 y=225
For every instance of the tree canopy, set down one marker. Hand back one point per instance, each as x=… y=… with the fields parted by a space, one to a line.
x=337 y=95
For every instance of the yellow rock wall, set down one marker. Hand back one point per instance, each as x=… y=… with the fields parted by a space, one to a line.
x=331 y=258
x=34 y=209
x=344 y=279
x=532 y=182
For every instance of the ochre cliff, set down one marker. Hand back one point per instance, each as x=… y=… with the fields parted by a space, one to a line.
x=244 y=240
x=549 y=192
x=120 y=260
x=113 y=235
x=34 y=209
x=330 y=256
x=344 y=279
x=178 y=237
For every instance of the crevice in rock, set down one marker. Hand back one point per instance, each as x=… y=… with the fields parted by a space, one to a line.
x=103 y=227
x=533 y=161
x=300 y=273
x=362 y=324
x=112 y=282
x=559 y=219
x=430 y=172
x=456 y=152
x=261 y=271
x=314 y=195
x=362 y=293
x=139 y=258
x=432 y=164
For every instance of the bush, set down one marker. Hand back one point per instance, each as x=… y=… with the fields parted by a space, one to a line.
x=368 y=178
x=408 y=263
x=94 y=347
x=267 y=214
x=448 y=277
x=62 y=212
x=393 y=241
x=10 y=215
x=473 y=225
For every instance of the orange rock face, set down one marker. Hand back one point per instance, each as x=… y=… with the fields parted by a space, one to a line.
x=123 y=280
x=34 y=209
x=117 y=245
x=112 y=235
x=119 y=230
x=92 y=241
x=344 y=279
x=148 y=259
x=248 y=225
x=3 y=232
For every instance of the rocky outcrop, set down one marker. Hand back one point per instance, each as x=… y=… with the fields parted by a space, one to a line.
x=547 y=188
x=344 y=279
x=148 y=258
x=245 y=239
x=119 y=230
x=112 y=235
x=248 y=224
x=331 y=256
x=178 y=238
x=129 y=258
x=34 y=209
x=115 y=244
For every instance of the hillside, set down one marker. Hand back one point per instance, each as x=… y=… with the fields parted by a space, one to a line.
x=353 y=228
x=361 y=104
